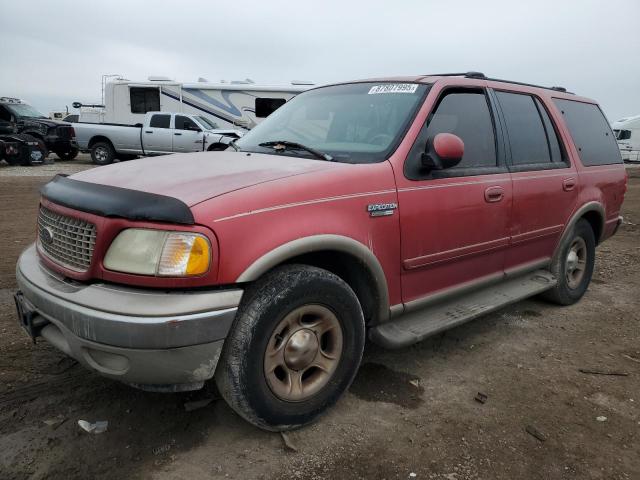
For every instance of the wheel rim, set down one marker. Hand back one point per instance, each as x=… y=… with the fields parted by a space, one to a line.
x=101 y=154
x=303 y=353
x=576 y=263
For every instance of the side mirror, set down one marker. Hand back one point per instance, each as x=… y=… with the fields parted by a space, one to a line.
x=445 y=150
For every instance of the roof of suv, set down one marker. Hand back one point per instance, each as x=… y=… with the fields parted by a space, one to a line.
x=472 y=78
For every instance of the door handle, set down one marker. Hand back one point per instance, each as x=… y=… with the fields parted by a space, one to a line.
x=493 y=194
x=177 y=133
x=148 y=131
x=569 y=184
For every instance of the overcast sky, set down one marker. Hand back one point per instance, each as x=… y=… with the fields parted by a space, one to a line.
x=54 y=52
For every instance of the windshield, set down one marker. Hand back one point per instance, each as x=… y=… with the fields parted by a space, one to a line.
x=353 y=123
x=24 y=110
x=208 y=124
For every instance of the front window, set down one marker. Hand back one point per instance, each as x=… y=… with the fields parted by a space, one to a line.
x=24 y=110
x=353 y=123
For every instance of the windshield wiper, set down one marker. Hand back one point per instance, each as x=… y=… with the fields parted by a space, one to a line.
x=280 y=145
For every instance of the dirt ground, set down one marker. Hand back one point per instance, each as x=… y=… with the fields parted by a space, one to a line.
x=410 y=413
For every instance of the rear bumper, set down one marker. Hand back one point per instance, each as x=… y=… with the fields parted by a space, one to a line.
x=162 y=340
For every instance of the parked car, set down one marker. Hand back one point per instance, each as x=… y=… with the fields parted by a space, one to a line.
x=392 y=208
x=160 y=134
x=52 y=135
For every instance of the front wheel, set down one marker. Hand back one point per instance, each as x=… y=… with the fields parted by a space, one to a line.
x=102 y=153
x=573 y=266
x=294 y=348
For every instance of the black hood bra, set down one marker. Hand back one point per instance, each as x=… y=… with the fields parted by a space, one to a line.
x=108 y=201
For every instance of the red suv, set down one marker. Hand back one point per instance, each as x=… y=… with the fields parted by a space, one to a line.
x=393 y=207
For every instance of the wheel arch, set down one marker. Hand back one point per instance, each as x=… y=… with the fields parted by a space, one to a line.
x=349 y=259
x=97 y=139
x=592 y=212
x=218 y=146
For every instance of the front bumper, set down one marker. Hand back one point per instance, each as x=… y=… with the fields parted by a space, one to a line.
x=154 y=339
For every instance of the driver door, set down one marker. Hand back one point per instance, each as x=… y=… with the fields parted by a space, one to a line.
x=455 y=222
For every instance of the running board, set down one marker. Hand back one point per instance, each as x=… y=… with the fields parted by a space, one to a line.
x=416 y=326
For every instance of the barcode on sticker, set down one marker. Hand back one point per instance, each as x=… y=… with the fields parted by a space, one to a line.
x=394 y=88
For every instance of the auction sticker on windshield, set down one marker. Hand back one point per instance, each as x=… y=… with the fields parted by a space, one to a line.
x=394 y=88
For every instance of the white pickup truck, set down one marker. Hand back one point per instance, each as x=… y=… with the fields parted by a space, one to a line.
x=160 y=134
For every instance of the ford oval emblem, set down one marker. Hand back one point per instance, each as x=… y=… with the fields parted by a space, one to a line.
x=47 y=236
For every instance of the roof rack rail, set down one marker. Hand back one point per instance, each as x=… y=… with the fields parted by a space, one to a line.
x=482 y=76
x=463 y=74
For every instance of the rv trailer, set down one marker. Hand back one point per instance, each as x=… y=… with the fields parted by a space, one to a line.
x=627 y=131
x=229 y=105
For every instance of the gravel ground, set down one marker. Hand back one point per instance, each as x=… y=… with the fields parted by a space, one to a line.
x=410 y=413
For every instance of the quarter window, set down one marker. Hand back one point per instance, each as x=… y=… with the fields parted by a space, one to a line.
x=527 y=136
x=144 y=100
x=590 y=132
x=160 y=121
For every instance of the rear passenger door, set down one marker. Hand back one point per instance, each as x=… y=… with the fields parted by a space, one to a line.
x=157 y=137
x=454 y=222
x=545 y=184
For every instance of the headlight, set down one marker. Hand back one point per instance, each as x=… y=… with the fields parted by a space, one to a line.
x=156 y=252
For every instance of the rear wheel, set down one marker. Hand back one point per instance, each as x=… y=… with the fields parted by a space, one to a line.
x=574 y=265
x=102 y=153
x=294 y=348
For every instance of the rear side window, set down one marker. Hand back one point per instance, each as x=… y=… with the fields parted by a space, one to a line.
x=266 y=106
x=160 y=121
x=144 y=100
x=590 y=131
x=184 y=123
x=527 y=135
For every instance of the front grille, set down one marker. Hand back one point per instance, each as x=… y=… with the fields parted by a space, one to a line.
x=64 y=132
x=66 y=240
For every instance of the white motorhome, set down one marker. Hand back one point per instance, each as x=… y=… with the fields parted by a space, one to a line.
x=229 y=105
x=627 y=132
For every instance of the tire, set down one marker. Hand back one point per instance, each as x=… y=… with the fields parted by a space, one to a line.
x=570 y=287
x=70 y=155
x=25 y=158
x=102 y=153
x=43 y=148
x=309 y=298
